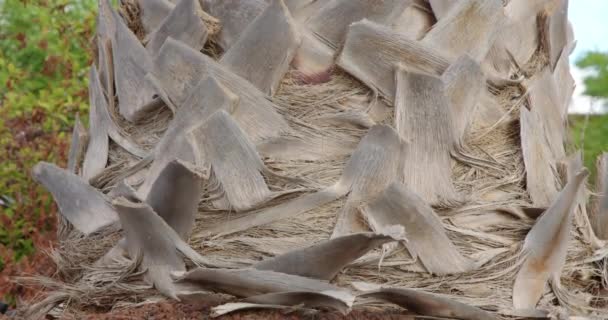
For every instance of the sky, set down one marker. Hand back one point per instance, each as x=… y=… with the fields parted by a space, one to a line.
x=589 y=19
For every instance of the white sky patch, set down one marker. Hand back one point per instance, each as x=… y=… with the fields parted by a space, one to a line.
x=588 y=19
x=581 y=103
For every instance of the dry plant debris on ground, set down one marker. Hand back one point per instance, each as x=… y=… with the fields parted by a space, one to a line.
x=339 y=155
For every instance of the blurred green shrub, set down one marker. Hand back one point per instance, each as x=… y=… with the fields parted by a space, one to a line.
x=45 y=52
x=592 y=137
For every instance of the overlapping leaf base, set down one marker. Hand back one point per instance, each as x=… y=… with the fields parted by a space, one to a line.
x=349 y=164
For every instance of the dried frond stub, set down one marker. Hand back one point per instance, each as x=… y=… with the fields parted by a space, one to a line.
x=559 y=31
x=235 y=163
x=96 y=155
x=182 y=24
x=234 y=17
x=324 y=260
x=544 y=101
x=77 y=146
x=330 y=24
x=423 y=118
x=371 y=53
x=339 y=301
x=441 y=7
x=426 y=237
x=102 y=126
x=367 y=172
x=464 y=84
x=371 y=168
x=265 y=49
x=175 y=194
x=131 y=63
x=415 y=21
x=179 y=68
x=469 y=27
x=546 y=246
x=153 y=12
x=599 y=211
x=250 y=282
x=540 y=164
x=84 y=206
x=428 y=304
x=147 y=234
x=206 y=98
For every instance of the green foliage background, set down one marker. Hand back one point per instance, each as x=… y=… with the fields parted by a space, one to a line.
x=44 y=59
x=45 y=52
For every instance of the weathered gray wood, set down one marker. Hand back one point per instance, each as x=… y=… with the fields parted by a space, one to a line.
x=426 y=237
x=265 y=49
x=371 y=53
x=325 y=259
x=546 y=246
x=423 y=117
x=428 y=304
x=84 y=206
x=182 y=24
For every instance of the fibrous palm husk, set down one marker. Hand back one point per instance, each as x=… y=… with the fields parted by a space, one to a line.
x=334 y=134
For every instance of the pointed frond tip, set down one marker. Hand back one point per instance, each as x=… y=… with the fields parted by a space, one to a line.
x=546 y=246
